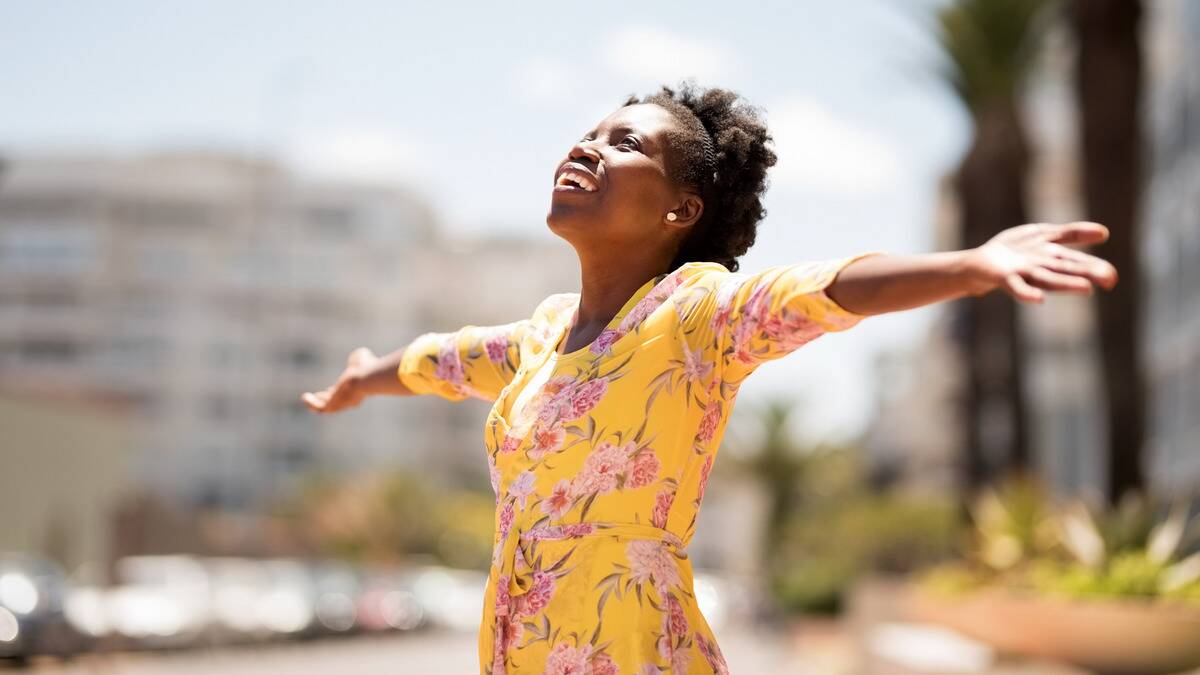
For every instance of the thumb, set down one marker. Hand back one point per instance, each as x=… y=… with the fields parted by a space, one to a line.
x=360 y=356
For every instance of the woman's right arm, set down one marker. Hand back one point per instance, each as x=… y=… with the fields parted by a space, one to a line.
x=474 y=361
x=365 y=375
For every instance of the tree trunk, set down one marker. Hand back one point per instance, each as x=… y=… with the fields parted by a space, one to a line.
x=991 y=188
x=1109 y=88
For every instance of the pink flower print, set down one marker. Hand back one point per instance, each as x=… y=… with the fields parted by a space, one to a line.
x=650 y=560
x=507 y=514
x=712 y=654
x=695 y=368
x=755 y=312
x=725 y=296
x=498 y=667
x=600 y=470
x=510 y=444
x=510 y=632
x=793 y=331
x=602 y=664
x=643 y=470
x=554 y=399
x=649 y=669
x=546 y=440
x=559 y=501
x=538 y=596
x=677 y=622
x=503 y=599
x=585 y=396
x=604 y=340
x=522 y=486
x=578 y=529
x=704 y=471
x=567 y=660
x=662 y=507
x=449 y=366
x=680 y=659
x=496 y=346
x=710 y=420
x=494 y=476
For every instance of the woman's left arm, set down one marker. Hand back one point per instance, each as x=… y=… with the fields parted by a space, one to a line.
x=1025 y=261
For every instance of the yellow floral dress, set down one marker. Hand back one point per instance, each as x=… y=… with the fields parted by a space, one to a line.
x=599 y=458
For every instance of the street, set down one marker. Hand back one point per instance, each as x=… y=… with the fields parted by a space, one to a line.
x=431 y=652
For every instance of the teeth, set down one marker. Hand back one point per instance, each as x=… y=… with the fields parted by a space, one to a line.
x=575 y=179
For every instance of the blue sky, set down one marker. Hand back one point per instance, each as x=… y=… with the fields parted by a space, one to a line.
x=415 y=92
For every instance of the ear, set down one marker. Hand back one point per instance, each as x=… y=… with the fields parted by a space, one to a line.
x=687 y=211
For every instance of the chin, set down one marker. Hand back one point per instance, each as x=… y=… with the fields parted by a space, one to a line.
x=561 y=219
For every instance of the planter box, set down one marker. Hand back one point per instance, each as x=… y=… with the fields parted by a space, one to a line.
x=1111 y=637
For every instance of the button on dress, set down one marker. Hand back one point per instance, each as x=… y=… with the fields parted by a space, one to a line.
x=599 y=458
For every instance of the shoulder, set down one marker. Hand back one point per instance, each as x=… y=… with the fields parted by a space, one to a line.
x=554 y=305
x=707 y=277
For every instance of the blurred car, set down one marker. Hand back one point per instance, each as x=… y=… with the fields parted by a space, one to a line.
x=337 y=587
x=160 y=601
x=32 y=620
x=388 y=602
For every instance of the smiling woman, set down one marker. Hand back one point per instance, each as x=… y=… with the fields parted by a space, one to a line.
x=609 y=404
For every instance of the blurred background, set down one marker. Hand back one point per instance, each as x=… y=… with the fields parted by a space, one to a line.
x=204 y=207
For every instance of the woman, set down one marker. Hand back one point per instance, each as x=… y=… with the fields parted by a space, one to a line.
x=610 y=403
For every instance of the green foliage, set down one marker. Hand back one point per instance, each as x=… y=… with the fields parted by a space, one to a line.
x=387 y=516
x=825 y=527
x=1023 y=541
x=989 y=46
x=827 y=546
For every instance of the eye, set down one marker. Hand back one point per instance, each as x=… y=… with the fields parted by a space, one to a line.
x=631 y=142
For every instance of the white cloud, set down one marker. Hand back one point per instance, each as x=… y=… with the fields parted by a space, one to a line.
x=820 y=151
x=653 y=54
x=375 y=155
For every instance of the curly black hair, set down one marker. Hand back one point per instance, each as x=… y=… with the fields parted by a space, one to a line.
x=722 y=150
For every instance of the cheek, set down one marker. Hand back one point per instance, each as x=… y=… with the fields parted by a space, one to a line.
x=638 y=189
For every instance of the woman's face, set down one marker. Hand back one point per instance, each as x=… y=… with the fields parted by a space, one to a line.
x=613 y=188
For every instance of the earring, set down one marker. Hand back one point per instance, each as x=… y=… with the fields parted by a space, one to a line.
x=671 y=215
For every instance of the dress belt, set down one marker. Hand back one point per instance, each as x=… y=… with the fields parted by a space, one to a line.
x=512 y=549
x=506 y=571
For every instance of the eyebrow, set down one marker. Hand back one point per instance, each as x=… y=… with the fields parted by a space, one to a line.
x=624 y=128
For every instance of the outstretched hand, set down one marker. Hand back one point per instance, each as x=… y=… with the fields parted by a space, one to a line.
x=1028 y=260
x=347 y=391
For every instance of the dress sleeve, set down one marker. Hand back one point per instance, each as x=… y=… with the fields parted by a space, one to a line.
x=473 y=361
x=768 y=314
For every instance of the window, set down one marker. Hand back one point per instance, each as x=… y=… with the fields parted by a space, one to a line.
x=332 y=221
x=47 y=250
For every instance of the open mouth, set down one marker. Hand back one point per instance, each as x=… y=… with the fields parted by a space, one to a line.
x=574 y=180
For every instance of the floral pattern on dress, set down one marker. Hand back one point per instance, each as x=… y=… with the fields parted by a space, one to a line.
x=599 y=458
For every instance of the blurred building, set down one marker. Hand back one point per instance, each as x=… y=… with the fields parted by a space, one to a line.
x=1171 y=248
x=915 y=434
x=66 y=456
x=211 y=290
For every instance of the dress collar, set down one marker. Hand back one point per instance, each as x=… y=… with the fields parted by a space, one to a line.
x=570 y=315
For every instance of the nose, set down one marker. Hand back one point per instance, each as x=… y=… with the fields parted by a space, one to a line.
x=584 y=149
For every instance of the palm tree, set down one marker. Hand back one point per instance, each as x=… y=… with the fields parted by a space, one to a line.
x=779 y=466
x=1108 y=81
x=990 y=45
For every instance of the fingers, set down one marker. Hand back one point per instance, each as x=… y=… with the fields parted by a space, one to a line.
x=314 y=403
x=1070 y=261
x=1079 y=232
x=1020 y=289
x=1050 y=280
x=323 y=401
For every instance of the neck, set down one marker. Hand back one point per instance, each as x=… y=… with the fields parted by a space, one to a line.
x=608 y=281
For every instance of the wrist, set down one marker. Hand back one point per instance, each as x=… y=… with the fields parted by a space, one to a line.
x=969 y=272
